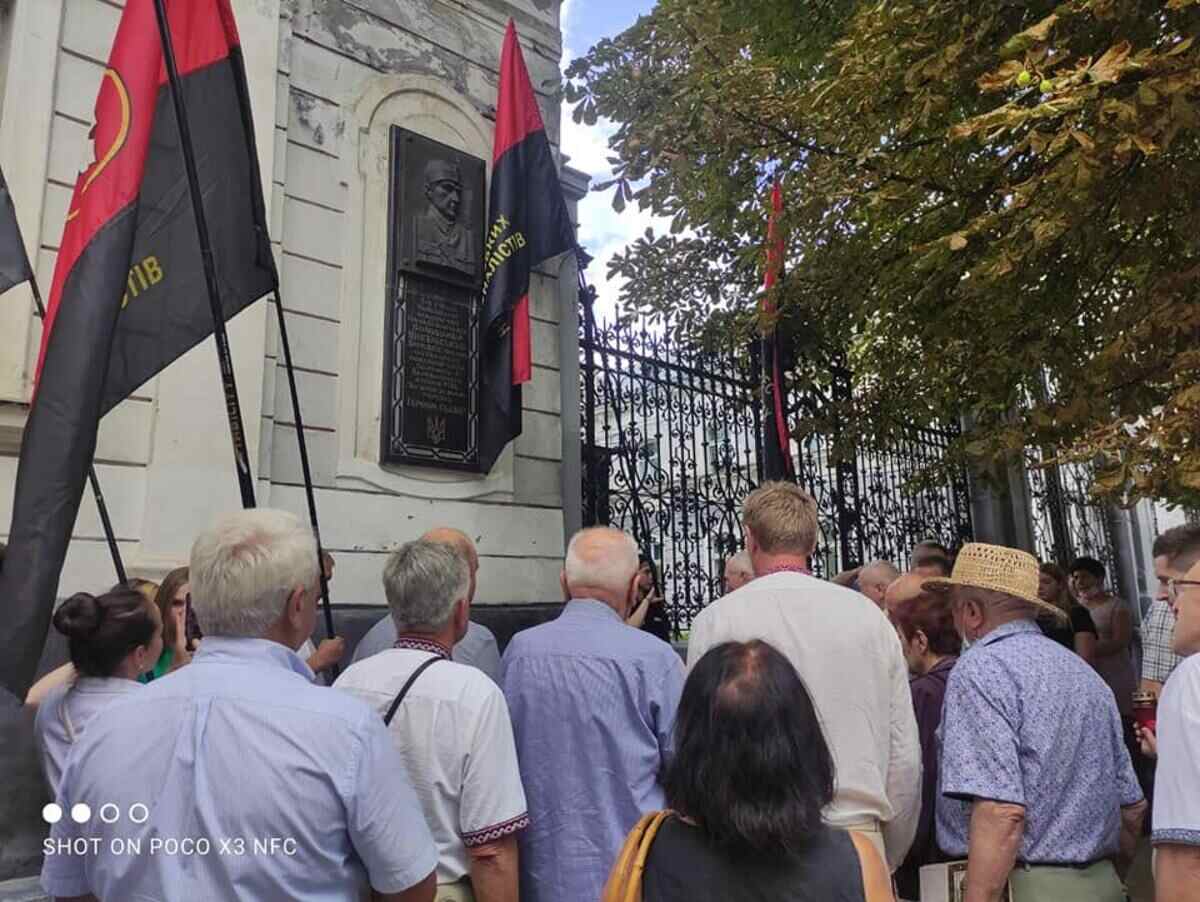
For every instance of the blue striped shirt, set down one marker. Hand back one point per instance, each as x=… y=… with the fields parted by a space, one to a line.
x=256 y=784
x=593 y=704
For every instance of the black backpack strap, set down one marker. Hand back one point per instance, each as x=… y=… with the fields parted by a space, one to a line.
x=387 y=718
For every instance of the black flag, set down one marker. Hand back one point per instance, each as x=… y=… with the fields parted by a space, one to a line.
x=527 y=223
x=129 y=293
x=14 y=262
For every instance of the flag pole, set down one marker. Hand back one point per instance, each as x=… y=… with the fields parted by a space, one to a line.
x=101 y=507
x=304 y=466
x=237 y=431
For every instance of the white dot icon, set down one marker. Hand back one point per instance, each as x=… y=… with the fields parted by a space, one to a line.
x=81 y=813
x=52 y=813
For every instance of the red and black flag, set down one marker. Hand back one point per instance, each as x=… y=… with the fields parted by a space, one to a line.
x=777 y=445
x=527 y=224
x=14 y=262
x=129 y=292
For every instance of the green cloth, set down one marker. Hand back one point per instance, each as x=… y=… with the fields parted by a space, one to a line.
x=1099 y=883
x=161 y=666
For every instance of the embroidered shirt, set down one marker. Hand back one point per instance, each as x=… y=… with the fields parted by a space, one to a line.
x=454 y=734
x=593 y=703
x=1158 y=633
x=1177 y=781
x=1029 y=723
x=478 y=648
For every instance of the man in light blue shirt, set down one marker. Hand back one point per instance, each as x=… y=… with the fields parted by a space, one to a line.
x=593 y=704
x=235 y=777
x=477 y=648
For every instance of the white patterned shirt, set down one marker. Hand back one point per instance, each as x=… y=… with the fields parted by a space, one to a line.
x=454 y=733
x=1177 y=780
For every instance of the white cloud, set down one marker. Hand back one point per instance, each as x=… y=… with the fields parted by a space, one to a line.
x=603 y=232
x=564 y=22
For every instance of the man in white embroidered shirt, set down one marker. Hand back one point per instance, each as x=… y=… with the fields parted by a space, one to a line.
x=450 y=723
x=845 y=650
x=296 y=790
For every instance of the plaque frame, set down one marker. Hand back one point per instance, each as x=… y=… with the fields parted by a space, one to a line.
x=408 y=274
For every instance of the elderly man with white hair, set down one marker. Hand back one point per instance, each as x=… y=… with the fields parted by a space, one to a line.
x=874 y=579
x=449 y=722
x=236 y=776
x=739 y=570
x=477 y=648
x=593 y=704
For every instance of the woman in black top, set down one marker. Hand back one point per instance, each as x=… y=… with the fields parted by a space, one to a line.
x=749 y=779
x=650 y=608
x=1076 y=631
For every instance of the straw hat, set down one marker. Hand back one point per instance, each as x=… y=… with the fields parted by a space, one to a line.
x=997 y=569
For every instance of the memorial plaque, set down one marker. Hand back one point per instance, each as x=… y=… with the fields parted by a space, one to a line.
x=431 y=378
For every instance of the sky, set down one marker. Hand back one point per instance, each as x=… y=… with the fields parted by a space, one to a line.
x=602 y=231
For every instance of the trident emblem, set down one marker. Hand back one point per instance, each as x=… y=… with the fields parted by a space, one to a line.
x=435 y=428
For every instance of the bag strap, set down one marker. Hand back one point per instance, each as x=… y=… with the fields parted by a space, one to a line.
x=387 y=718
x=625 y=881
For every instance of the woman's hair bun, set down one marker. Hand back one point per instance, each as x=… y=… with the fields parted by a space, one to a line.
x=79 y=617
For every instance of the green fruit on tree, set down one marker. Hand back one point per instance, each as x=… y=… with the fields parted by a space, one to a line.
x=1046 y=86
x=1024 y=78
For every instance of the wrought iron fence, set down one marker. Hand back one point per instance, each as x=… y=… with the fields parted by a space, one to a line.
x=1067 y=522
x=672 y=438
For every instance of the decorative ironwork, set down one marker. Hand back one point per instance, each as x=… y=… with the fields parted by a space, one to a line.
x=1067 y=521
x=672 y=439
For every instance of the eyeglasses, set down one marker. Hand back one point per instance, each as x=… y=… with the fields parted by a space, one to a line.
x=1174 y=589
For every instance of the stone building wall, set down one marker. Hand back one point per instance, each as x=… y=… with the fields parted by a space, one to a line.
x=327 y=78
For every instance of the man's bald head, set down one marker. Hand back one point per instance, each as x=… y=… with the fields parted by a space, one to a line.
x=874 y=579
x=903 y=589
x=461 y=543
x=601 y=563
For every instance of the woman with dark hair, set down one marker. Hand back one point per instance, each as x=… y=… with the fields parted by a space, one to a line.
x=750 y=777
x=172 y=603
x=649 y=608
x=65 y=674
x=1075 y=630
x=112 y=639
x=931 y=645
x=1113 y=657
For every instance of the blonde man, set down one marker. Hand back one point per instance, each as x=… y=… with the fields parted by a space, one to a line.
x=847 y=654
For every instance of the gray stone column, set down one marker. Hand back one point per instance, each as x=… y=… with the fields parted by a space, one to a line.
x=575 y=185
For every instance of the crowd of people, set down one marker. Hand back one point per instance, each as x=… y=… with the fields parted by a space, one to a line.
x=966 y=727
